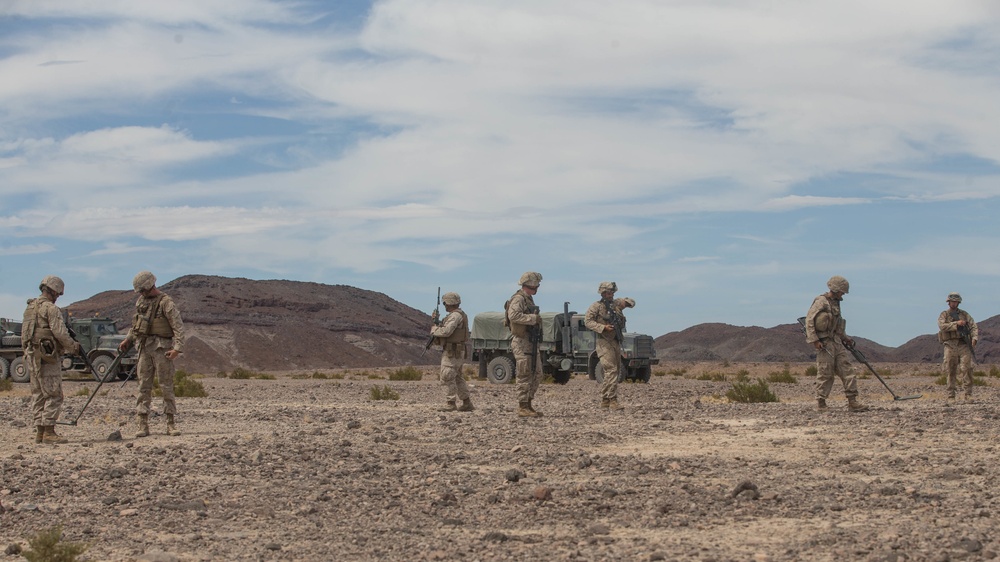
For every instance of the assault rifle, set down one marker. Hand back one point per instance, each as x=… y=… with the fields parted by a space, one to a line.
x=535 y=336
x=437 y=322
x=616 y=320
x=965 y=334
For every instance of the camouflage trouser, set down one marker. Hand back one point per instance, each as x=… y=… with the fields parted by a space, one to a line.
x=958 y=361
x=838 y=364
x=46 y=390
x=452 y=379
x=154 y=362
x=610 y=354
x=527 y=383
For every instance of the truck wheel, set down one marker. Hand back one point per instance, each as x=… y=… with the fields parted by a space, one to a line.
x=19 y=370
x=4 y=368
x=102 y=368
x=599 y=373
x=644 y=373
x=500 y=370
x=562 y=377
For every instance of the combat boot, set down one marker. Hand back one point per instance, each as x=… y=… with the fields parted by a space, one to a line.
x=39 y=433
x=855 y=406
x=143 y=426
x=50 y=435
x=171 y=428
x=536 y=412
x=524 y=410
x=466 y=406
x=821 y=403
x=614 y=405
x=449 y=406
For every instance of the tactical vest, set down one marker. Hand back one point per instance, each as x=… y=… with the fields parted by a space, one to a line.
x=954 y=333
x=829 y=322
x=36 y=334
x=455 y=342
x=518 y=330
x=149 y=319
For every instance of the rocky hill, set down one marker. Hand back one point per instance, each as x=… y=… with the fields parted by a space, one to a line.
x=278 y=325
x=723 y=342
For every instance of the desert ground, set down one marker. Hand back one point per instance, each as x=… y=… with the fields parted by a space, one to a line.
x=304 y=468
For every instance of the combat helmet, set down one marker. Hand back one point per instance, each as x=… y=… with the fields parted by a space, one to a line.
x=629 y=302
x=143 y=281
x=607 y=286
x=530 y=278
x=838 y=284
x=52 y=283
x=954 y=297
x=451 y=299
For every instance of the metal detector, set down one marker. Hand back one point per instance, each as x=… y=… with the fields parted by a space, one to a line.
x=110 y=374
x=861 y=359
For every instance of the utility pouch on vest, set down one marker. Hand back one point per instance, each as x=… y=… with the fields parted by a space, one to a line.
x=47 y=351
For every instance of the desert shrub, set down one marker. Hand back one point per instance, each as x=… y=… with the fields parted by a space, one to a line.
x=184 y=386
x=994 y=371
x=785 y=376
x=244 y=374
x=942 y=380
x=409 y=373
x=811 y=371
x=742 y=375
x=751 y=392
x=384 y=393
x=659 y=373
x=368 y=375
x=48 y=546
x=717 y=377
x=82 y=392
x=980 y=374
x=6 y=384
x=677 y=371
x=725 y=363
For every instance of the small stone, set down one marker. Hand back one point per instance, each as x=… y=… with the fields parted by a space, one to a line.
x=542 y=493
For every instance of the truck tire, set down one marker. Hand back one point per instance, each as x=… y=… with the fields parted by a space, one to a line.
x=4 y=368
x=599 y=372
x=19 y=370
x=102 y=368
x=562 y=377
x=500 y=370
x=643 y=374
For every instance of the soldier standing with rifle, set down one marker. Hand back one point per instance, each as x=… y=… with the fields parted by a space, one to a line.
x=825 y=331
x=158 y=333
x=451 y=335
x=44 y=337
x=959 y=334
x=604 y=317
x=521 y=316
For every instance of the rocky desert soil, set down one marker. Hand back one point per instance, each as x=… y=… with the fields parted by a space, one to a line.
x=314 y=469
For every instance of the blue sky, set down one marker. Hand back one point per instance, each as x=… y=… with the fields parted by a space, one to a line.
x=719 y=160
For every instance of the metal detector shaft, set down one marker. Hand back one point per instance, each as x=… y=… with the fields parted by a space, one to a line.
x=861 y=359
x=111 y=369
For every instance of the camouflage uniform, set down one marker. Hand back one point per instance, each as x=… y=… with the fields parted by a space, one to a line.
x=43 y=325
x=824 y=324
x=522 y=314
x=156 y=329
x=602 y=314
x=957 y=353
x=452 y=335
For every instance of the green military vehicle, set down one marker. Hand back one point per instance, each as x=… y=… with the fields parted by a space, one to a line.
x=98 y=337
x=566 y=347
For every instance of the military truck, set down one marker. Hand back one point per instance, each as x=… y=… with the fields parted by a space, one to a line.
x=566 y=347
x=98 y=337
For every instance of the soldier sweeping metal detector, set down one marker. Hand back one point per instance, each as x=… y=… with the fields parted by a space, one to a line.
x=112 y=369
x=861 y=359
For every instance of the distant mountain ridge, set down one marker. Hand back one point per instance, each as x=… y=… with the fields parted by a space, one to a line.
x=280 y=325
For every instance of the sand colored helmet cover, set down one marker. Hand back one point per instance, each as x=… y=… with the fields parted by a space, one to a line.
x=838 y=284
x=629 y=302
x=954 y=297
x=607 y=286
x=143 y=281
x=451 y=298
x=54 y=284
x=530 y=278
